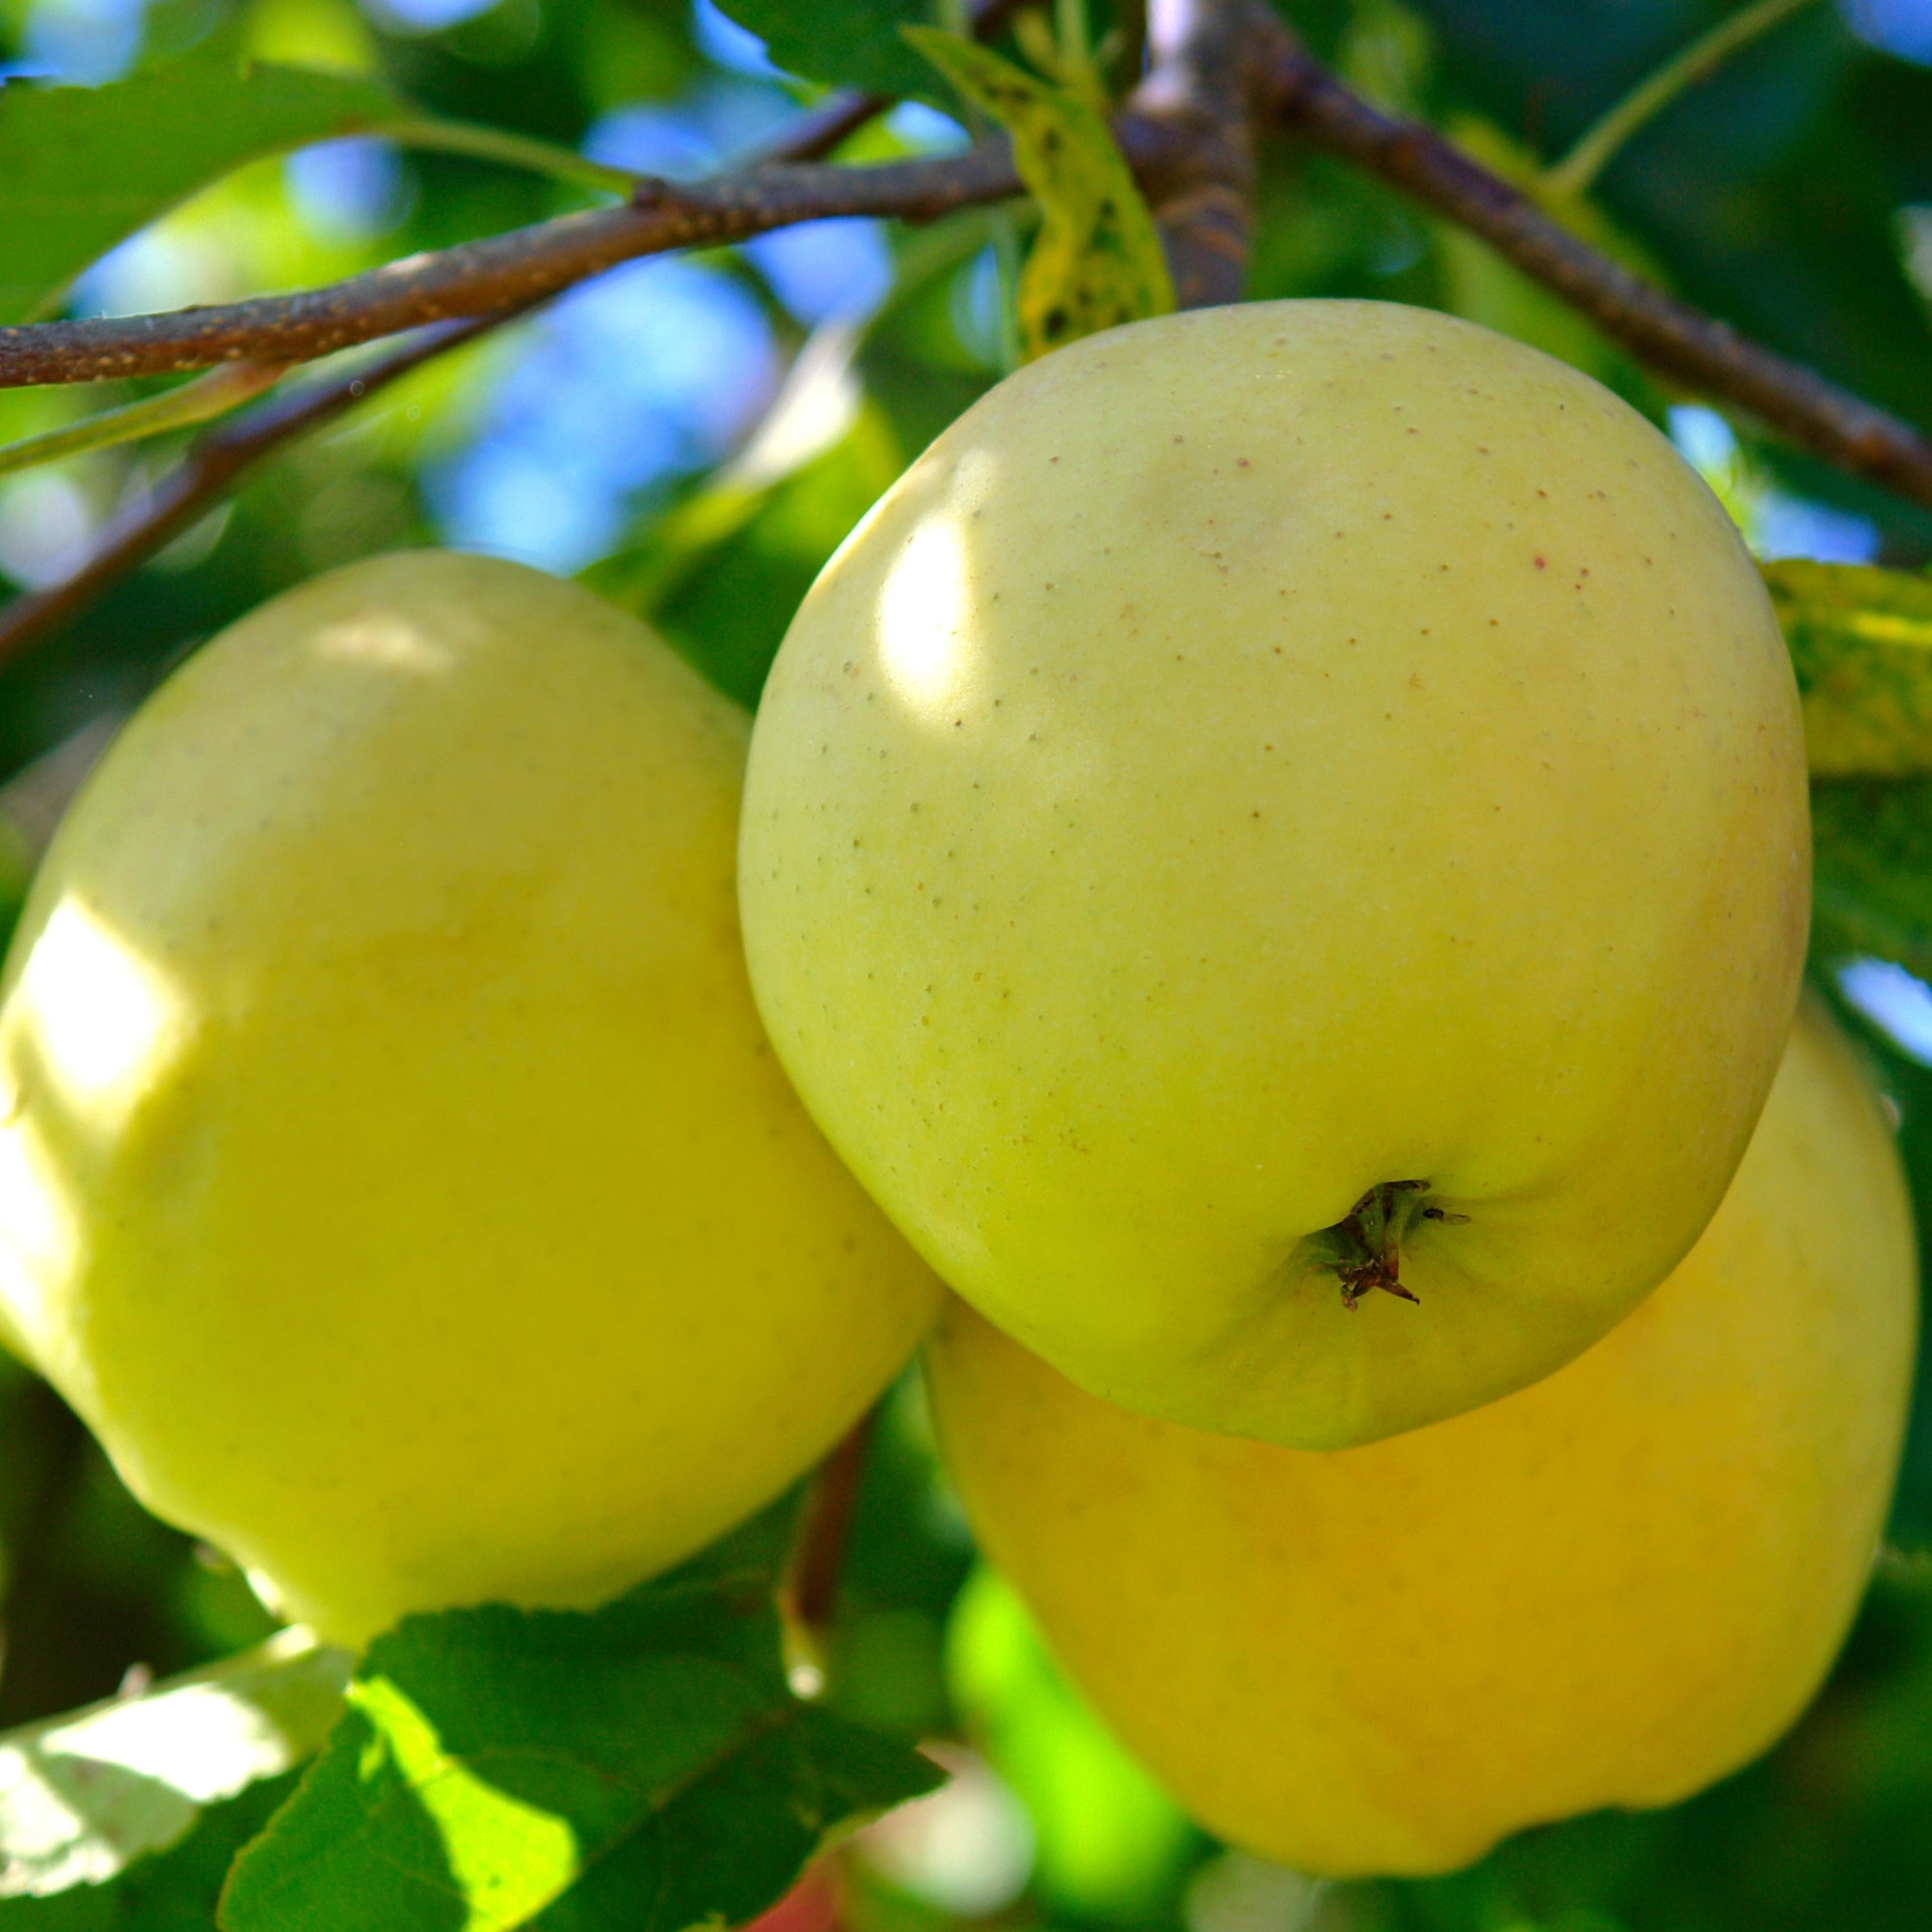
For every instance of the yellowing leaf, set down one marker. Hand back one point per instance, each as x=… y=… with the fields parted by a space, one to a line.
x=1096 y=261
x=1861 y=642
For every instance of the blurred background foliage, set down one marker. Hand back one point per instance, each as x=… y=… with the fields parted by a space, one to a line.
x=696 y=436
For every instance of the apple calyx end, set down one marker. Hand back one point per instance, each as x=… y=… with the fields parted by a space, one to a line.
x=1364 y=1249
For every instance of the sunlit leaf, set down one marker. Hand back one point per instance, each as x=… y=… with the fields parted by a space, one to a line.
x=1860 y=641
x=1096 y=261
x=645 y=1766
x=82 y=1794
x=173 y=1891
x=85 y=167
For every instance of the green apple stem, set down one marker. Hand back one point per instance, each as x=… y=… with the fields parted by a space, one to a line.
x=1364 y=1249
x=809 y=1591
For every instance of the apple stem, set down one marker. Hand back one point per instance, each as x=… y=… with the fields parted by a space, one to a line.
x=808 y=1592
x=1364 y=1249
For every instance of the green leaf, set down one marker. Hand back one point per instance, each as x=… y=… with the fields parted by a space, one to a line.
x=85 y=167
x=212 y=394
x=1096 y=260
x=1872 y=872
x=174 y=1891
x=731 y=1848
x=844 y=43
x=1860 y=641
x=645 y=1765
x=83 y=1795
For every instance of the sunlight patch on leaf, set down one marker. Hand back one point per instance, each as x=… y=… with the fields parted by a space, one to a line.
x=83 y=1794
x=508 y=1859
x=645 y=1765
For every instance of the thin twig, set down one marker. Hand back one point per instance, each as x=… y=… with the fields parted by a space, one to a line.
x=824 y=127
x=1673 y=338
x=205 y=475
x=483 y=143
x=808 y=1595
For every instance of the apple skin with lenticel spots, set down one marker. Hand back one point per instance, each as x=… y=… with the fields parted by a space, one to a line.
x=1278 y=854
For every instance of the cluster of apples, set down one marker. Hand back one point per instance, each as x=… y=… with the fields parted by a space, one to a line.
x=1277 y=855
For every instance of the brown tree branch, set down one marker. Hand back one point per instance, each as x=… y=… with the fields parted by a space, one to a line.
x=507 y=274
x=504 y=272
x=1197 y=85
x=1678 y=341
x=212 y=465
x=214 y=462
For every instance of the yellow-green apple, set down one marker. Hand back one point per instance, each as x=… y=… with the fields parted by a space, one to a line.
x=1281 y=804
x=393 y=1172
x=1608 y=1589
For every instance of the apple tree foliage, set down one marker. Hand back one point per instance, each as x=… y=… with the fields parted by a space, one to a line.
x=648 y=1767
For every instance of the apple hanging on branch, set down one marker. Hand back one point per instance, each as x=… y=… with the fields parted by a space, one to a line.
x=1281 y=803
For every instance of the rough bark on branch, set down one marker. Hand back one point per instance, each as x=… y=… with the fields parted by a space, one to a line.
x=1296 y=93
x=504 y=271
x=1196 y=85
